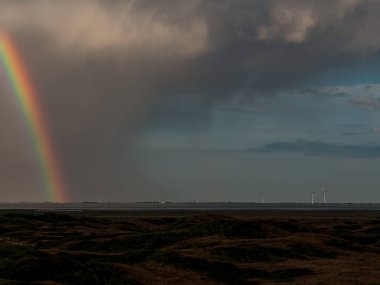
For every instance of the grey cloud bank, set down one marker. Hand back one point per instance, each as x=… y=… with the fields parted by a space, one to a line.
x=318 y=148
x=367 y=102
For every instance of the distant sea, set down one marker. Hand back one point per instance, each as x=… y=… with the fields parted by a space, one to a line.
x=154 y=206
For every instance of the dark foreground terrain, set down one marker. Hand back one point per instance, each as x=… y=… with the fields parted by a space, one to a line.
x=236 y=247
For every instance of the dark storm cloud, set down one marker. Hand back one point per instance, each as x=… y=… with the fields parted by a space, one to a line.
x=101 y=66
x=317 y=148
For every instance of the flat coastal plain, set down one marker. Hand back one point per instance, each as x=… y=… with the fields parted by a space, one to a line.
x=190 y=247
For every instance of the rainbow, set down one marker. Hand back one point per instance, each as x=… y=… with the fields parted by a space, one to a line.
x=22 y=87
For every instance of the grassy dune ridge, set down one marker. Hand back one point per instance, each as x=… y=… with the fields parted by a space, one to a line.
x=267 y=247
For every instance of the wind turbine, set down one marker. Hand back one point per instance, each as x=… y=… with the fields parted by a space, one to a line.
x=324 y=195
x=262 y=198
x=312 y=196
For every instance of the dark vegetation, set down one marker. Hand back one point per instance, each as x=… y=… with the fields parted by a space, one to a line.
x=105 y=248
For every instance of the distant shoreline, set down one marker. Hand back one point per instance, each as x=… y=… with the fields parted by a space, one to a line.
x=189 y=206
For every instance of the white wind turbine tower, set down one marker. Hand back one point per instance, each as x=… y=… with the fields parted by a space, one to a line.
x=262 y=198
x=312 y=196
x=324 y=195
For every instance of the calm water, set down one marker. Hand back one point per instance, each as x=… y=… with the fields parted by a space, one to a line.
x=187 y=206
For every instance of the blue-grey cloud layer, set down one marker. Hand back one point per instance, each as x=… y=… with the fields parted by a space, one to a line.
x=318 y=148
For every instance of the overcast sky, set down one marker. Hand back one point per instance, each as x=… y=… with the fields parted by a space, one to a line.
x=215 y=100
